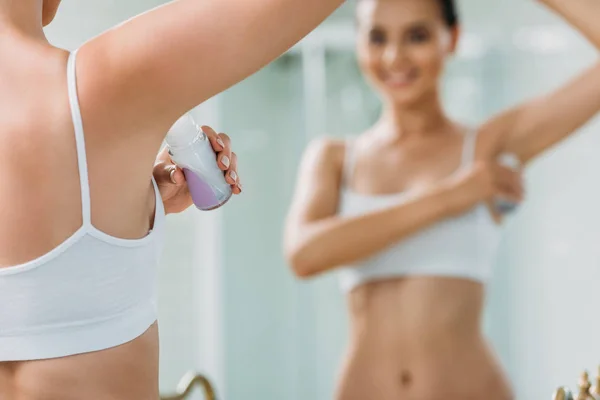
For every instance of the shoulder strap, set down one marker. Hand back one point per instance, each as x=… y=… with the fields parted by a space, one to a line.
x=469 y=148
x=79 y=139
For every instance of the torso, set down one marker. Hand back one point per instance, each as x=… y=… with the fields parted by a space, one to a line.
x=415 y=336
x=40 y=206
x=419 y=338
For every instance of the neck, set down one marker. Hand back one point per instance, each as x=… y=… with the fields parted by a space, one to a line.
x=21 y=18
x=421 y=118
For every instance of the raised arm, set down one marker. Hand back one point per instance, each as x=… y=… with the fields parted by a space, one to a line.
x=317 y=239
x=534 y=126
x=158 y=65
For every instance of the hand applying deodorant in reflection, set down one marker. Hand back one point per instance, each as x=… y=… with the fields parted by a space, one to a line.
x=191 y=150
x=504 y=206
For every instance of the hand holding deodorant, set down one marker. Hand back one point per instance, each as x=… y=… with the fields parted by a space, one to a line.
x=509 y=160
x=191 y=150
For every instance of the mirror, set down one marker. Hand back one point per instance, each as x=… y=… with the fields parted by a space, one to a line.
x=231 y=307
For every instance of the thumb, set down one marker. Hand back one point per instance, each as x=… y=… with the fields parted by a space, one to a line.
x=167 y=173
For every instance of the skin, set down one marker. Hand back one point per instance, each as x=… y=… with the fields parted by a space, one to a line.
x=412 y=337
x=132 y=87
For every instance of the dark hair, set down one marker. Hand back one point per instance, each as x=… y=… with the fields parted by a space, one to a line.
x=449 y=12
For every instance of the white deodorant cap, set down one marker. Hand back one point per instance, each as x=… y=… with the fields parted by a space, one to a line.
x=183 y=132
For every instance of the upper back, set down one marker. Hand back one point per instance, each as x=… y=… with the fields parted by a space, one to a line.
x=72 y=287
x=40 y=194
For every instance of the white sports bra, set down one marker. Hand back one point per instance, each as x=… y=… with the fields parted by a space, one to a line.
x=92 y=292
x=461 y=247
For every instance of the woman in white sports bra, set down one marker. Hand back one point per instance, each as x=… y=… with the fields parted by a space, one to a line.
x=82 y=220
x=404 y=212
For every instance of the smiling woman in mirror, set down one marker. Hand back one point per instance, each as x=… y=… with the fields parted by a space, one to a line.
x=409 y=212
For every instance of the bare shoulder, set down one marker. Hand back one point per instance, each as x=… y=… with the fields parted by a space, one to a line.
x=323 y=162
x=319 y=177
x=326 y=152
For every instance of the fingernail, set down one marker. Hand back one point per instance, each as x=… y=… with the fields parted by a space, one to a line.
x=221 y=143
x=172 y=174
x=239 y=185
x=225 y=161
x=233 y=176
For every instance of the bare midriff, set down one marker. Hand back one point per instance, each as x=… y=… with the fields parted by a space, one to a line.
x=129 y=371
x=423 y=334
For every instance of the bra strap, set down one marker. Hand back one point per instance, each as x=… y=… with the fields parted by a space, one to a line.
x=469 y=148
x=79 y=139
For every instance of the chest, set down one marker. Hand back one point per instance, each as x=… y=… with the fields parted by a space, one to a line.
x=396 y=169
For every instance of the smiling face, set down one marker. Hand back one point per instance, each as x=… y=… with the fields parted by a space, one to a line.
x=403 y=45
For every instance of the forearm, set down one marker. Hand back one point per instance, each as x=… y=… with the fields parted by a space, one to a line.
x=333 y=242
x=582 y=14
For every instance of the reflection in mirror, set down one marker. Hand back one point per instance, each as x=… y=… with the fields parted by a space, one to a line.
x=411 y=211
x=409 y=114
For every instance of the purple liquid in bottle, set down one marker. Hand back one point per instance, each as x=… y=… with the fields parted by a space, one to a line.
x=203 y=194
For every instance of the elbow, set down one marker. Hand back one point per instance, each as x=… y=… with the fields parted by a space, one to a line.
x=300 y=263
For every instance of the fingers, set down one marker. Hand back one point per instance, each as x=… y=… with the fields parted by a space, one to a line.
x=231 y=175
x=221 y=144
x=237 y=189
x=166 y=173
x=176 y=175
x=216 y=142
x=226 y=159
